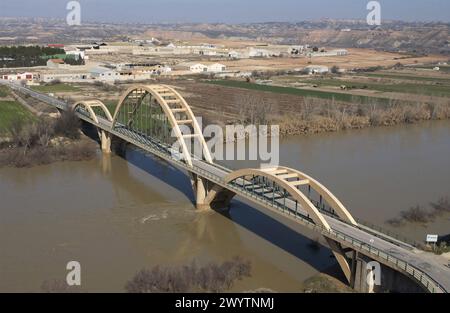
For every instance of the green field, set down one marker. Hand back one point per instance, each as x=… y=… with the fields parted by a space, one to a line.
x=299 y=92
x=408 y=77
x=55 y=88
x=11 y=110
x=111 y=105
x=409 y=88
x=3 y=92
x=443 y=68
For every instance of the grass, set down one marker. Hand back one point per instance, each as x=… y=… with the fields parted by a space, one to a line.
x=324 y=283
x=55 y=88
x=11 y=110
x=111 y=105
x=430 y=90
x=3 y=92
x=442 y=68
x=343 y=97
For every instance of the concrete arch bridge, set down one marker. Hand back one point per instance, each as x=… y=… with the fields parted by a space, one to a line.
x=151 y=118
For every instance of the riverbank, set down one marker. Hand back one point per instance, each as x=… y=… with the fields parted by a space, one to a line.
x=328 y=116
x=43 y=141
x=62 y=150
x=298 y=113
x=33 y=134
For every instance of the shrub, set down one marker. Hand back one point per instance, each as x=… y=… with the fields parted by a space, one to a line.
x=209 y=278
x=68 y=125
x=416 y=214
x=31 y=143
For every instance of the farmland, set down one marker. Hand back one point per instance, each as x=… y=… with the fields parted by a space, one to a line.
x=11 y=111
x=54 y=88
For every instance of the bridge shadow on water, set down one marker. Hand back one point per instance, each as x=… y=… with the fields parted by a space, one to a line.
x=270 y=229
x=154 y=166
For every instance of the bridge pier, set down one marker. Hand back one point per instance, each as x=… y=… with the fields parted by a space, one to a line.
x=105 y=141
x=208 y=195
x=200 y=190
x=381 y=278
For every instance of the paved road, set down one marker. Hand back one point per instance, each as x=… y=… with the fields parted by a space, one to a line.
x=434 y=266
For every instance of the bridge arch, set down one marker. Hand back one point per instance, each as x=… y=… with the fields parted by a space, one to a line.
x=339 y=209
x=94 y=109
x=173 y=106
x=290 y=180
x=89 y=107
x=287 y=183
x=273 y=175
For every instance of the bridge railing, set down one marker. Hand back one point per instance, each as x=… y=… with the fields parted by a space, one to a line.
x=420 y=276
x=375 y=228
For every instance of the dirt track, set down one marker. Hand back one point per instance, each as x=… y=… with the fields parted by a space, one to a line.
x=357 y=58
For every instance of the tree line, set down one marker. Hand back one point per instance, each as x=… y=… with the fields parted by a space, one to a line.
x=26 y=56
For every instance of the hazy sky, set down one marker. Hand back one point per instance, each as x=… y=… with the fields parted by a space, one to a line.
x=241 y=11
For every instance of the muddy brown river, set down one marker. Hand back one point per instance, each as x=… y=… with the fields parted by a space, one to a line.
x=116 y=216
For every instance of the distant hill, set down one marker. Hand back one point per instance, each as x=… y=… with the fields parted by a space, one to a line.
x=412 y=37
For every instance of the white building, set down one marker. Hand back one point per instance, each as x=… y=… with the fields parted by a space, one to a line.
x=19 y=76
x=216 y=68
x=331 y=53
x=234 y=55
x=207 y=52
x=316 y=69
x=258 y=53
x=198 y=68
x=55 y=63
x=104 y=74
x=77 y=54
x=65 y=77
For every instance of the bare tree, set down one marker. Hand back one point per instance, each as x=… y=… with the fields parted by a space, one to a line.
x=254 y=110
x=209 y=278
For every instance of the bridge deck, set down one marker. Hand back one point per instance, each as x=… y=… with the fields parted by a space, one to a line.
x=427 y=269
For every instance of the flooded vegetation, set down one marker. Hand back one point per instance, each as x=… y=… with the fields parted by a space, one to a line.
x=422 y=215
x=44 y=141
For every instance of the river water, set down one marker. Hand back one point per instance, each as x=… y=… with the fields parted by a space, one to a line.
x=117 y=216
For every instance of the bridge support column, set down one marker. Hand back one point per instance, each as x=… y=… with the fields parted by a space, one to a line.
x=390 y=279
x=105 y=140
x=209 y=195
x=341 y=257
x=200 y=195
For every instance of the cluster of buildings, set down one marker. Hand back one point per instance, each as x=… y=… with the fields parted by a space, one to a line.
x=58 y=69
x=78 y=74
x=262 y=51
x=108 y=73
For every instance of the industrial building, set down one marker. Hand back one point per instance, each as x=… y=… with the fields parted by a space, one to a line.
x=19 y=76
